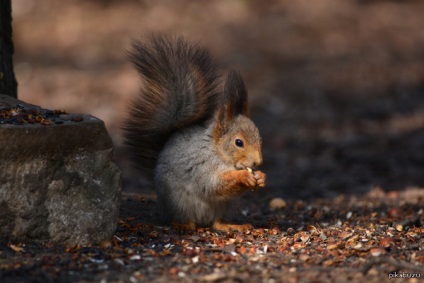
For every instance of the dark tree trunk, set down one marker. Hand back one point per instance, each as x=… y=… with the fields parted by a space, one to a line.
x=8 y=84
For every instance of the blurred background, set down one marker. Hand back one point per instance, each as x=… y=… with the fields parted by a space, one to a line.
x=336 y=87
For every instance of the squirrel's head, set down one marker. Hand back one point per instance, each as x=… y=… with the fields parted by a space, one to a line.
x=236 y=137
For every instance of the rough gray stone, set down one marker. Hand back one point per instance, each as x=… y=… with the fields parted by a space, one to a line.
x=58 y=183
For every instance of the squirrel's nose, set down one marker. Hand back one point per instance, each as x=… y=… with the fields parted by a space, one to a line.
x=257 y=160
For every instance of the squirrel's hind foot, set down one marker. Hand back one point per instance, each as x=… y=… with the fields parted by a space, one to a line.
x=183 y=227
x=219 y=225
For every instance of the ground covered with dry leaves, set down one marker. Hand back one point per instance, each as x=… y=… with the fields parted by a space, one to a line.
x=347 y=239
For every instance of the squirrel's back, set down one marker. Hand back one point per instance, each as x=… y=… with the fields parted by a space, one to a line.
x=179 y=88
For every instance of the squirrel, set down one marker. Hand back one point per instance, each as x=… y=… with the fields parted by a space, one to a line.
x=190 y=134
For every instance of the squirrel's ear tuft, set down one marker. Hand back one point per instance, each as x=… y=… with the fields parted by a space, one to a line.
x=234 y=102
x=221 y=122
x=235 y=94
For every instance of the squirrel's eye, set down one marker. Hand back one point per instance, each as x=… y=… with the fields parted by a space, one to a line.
x=239 y=143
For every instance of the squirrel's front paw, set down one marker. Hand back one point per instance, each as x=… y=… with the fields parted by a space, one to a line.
x=254 y=179
x=248 y=179
x=260 y=178
x=239 y=181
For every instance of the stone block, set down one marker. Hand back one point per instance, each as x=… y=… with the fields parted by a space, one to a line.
x=58 y=179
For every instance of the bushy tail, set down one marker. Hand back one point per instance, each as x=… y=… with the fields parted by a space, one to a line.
x=179 y=88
